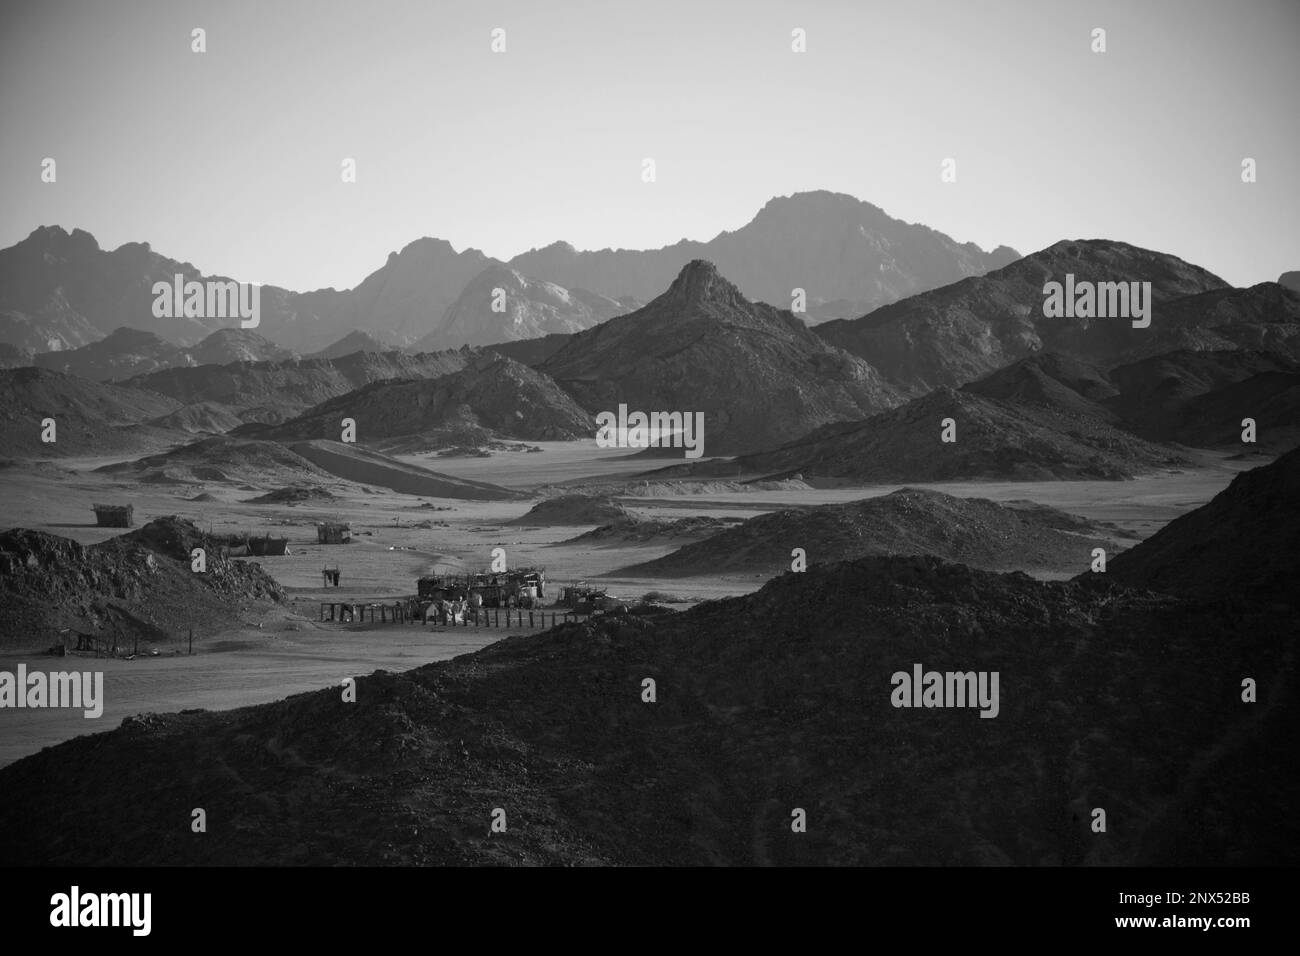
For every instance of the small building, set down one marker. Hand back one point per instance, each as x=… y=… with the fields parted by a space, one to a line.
x=331 y=576
x=114 y=516
x=442 y=587
x=266 y=545
x=332 y=532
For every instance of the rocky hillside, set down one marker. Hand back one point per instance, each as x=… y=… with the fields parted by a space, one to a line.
x=59 y=290
x=533 y=352
x=767 y=704
x=995 y=439
x=11 y=356
x=1243 y=545
x=221 y=460
x=1264 y=317
x=274 y=391
x=758 y=374
x=404 y=299
x=491 y=391
x=121 y=354
x=203 y=418
x=236 y=345
x=572 y=510
x=90 y=417
x=137 y=585
x=964 y=331
x=354 y=341
x=973 y=531
x=1199 y=398
x=532 y=308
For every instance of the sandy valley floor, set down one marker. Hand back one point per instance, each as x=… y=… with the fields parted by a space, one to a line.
x=255 y=661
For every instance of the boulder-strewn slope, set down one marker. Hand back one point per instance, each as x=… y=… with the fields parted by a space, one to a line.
x=137 y=585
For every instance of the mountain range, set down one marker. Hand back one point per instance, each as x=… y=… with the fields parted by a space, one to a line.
x=60 y=290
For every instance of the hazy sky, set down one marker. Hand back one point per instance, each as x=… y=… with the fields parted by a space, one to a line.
x=230 y=159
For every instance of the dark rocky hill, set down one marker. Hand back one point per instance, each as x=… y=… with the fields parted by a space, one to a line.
x=90 y=417
x=136 y=586
x=1017 y=441
x=759 y=375
x=274 y=391
x=777 y=701
x=973 y=531
x=966 y=330
x=1244 y=544
x=491 y=391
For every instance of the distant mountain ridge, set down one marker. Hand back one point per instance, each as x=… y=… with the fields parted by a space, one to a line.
x=831 y=245
x=502 y=305
x=60 y=290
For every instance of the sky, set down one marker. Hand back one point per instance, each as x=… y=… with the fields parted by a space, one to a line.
x=231 y=159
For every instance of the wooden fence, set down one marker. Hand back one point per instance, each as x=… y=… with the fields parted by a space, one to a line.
x=413 y=612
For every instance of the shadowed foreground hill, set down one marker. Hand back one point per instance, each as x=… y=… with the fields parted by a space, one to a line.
x=1108 y=698
x=1244 y=543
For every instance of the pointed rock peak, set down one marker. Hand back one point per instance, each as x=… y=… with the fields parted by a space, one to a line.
x=699 y=281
